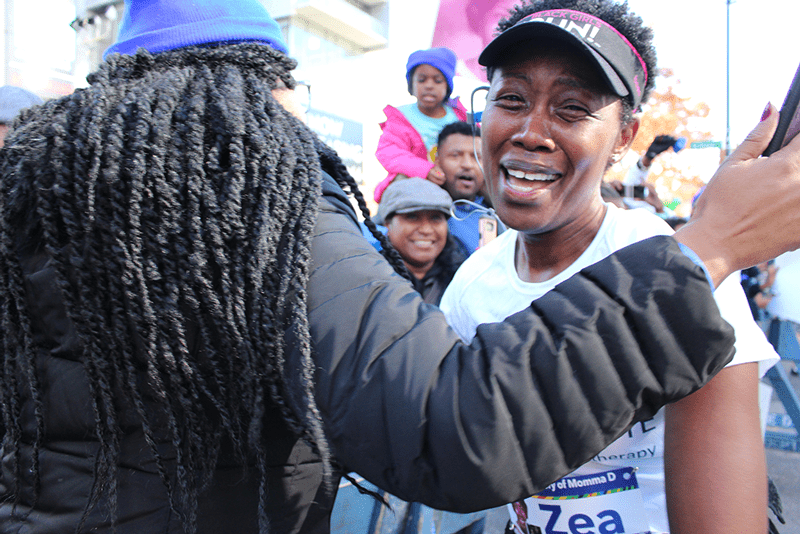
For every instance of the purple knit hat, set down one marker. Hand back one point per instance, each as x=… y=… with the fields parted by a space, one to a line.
x=161 y=25
x=442 y=58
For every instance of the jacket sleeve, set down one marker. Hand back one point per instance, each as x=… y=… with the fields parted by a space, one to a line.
x=400 y=147
x=466 y=427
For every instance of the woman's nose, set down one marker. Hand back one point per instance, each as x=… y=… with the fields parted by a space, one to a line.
x=426 y=225
x=534 y=133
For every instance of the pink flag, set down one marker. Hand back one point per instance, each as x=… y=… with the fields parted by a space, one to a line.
x=466 y=27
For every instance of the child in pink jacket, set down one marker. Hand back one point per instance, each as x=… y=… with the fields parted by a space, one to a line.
x=407 y=146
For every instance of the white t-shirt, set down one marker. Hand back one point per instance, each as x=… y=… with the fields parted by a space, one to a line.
x=623 y=486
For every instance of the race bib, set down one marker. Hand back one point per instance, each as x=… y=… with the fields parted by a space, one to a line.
x=600 y=503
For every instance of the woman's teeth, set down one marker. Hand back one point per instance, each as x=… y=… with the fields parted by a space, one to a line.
x=531 y=176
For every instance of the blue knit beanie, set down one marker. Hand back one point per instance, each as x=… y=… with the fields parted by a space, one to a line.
x=161 y=25
x=442 y=58
x=13 y=100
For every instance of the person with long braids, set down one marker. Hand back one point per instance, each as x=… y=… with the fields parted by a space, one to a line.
x=196 y=337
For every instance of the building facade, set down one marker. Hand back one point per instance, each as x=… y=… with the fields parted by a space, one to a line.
x=38 y=46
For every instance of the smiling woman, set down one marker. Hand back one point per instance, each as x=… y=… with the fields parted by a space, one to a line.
x=550 y=130
x=567 y=78
x=415 y=212
x=419 y=237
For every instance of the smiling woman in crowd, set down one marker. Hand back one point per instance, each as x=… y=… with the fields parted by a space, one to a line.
x=415 y=213
x=567 y=78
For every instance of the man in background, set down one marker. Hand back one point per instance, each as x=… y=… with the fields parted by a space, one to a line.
x=473 y=223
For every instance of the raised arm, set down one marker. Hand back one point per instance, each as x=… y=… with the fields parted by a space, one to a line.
x=430 y=419
x=467 y=427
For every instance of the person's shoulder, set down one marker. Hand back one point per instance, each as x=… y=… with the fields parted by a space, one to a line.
x=407 y=109
x=643 y=217
x=492 y=249
x=465 y=291
x=335 y=199
x=751 y=344
x=397 y=123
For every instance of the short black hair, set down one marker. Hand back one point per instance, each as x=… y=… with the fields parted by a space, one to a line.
x=614 y=13
x=458 y=127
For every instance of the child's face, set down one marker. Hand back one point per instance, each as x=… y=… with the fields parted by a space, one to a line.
x=429 y=87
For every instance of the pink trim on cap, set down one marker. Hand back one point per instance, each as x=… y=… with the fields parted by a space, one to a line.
x=591 y=18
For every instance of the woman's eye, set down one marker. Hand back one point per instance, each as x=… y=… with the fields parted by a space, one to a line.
x=508 y=100
x=573 y=111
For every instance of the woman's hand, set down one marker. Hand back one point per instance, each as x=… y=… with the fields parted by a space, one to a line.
x=748 y=211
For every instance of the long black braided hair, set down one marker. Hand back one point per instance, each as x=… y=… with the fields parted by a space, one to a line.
x=176 y=199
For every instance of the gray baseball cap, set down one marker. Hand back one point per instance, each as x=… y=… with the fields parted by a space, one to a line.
x=15 y=99
x=412 y=194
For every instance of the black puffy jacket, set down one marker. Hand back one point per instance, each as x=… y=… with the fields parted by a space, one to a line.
x=405 y=403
